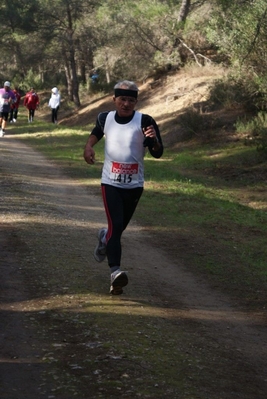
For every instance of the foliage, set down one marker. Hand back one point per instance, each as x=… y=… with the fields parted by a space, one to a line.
x=193 y=123
x=123 y=38
x=256 y=132
x=133 y=40
x=238 y=30
x=31 y=80
x=18 y=16
x=136 y=30
x=241 y=33
x=240 y=87
x=230 y=91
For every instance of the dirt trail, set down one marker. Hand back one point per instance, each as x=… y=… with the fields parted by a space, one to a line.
x=47 y=235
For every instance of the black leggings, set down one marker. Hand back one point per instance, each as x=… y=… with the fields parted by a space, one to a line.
x=31 y=114
x=54 y=114
x=13 y=114
x=120 y=205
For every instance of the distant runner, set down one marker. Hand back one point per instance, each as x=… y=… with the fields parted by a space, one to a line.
x=7 y=97
x=31 y=101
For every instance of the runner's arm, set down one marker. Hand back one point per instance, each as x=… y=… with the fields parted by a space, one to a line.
x=89 y=153
x=96 y=135
x=154 y=144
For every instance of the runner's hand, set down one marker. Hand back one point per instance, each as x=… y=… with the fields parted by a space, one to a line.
x=89 y=155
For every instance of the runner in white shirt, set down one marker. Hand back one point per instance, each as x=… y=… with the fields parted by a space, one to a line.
x=127 y=135
x=54 y=103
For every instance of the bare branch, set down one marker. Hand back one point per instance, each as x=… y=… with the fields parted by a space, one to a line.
x=191 y=51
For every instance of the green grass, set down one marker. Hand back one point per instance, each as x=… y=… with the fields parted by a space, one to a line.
x=199 y=195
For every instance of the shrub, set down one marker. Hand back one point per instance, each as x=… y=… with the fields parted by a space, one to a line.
x=229 y=92
x=193 y=123
x=31 y=80
x=256 y=130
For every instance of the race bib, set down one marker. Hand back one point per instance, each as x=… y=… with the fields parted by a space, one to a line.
x=124 y=173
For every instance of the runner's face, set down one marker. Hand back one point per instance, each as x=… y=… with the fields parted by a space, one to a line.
x=125 y=105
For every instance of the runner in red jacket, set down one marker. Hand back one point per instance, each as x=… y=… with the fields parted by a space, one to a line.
x=31 y=101
x=15 y=106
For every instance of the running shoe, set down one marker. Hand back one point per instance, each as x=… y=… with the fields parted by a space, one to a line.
x=118 y=279
x=100 y=251
x=1 y=133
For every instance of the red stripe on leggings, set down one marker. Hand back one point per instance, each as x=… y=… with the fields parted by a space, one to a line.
x=109 y=233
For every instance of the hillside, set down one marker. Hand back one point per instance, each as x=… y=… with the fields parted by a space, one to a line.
x=187 y=93
x=165 y=99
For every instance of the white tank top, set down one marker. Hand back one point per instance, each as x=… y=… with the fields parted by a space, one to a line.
x=124 y=152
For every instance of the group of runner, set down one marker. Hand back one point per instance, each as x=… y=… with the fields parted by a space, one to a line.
x=10 y=101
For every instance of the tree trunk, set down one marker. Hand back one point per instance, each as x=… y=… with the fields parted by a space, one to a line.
x=82 y=72
x=107 y=69
x=184 y=10
x=68 y=79
x=73 y=84
x=74 y=79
